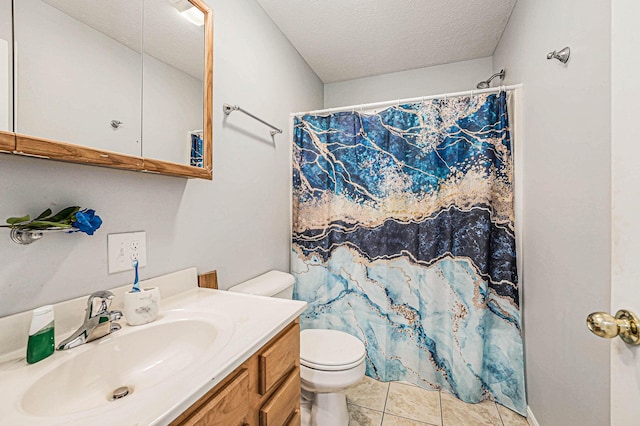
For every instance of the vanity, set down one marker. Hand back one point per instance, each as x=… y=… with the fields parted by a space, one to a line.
x=264 y=390
x=211 y=358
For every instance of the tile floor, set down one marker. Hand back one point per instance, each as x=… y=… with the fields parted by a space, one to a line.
x=373 y=403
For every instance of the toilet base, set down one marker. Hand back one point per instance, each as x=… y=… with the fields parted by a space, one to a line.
x=324 y=409
x=306 y=403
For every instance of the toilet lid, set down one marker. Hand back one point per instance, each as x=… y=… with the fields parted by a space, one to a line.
x=330 y=350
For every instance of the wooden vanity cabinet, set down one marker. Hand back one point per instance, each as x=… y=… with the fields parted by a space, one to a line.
x=263 y=391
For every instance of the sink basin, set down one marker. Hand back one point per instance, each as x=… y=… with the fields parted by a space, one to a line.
x=140 y=358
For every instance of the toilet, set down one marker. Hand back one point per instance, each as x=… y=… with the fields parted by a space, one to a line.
x=330 y=360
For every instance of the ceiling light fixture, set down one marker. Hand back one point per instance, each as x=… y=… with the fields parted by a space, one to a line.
x=189 y=12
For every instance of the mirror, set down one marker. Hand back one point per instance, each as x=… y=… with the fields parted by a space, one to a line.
x=118 y=83
x=79 y=72
x=6 y=68
x=173 y=66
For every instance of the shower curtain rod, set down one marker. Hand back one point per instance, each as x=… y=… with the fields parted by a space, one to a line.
x=407 y=100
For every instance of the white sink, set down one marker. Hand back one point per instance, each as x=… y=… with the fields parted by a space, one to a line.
x=140 y=358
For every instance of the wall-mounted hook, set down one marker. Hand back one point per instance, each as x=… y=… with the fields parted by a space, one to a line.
x=116 y=123
x=561 y=55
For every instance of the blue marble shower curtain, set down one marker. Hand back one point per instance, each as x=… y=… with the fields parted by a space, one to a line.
x=403 y=235
x=196 y=151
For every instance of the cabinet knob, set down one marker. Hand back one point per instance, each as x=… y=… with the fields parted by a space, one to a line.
x=625 y=324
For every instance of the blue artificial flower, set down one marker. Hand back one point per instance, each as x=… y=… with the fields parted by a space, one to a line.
x=87 y=221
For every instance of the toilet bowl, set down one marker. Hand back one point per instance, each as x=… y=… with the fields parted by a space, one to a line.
x=330 y=360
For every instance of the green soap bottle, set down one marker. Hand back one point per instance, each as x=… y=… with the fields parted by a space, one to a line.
x=41 y=342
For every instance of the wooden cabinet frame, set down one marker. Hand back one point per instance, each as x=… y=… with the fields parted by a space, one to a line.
x=27 y=145
x=7 y=142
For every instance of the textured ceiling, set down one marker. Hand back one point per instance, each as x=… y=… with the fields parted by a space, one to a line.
x=347 y=39
x=167 y=35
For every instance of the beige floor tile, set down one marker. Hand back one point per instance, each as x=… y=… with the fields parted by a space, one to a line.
x=511 y=418
x=368 y=393
x=360 y=416
x=458 y=413
x=405 y=383
x=391 y=420
x=414 y=403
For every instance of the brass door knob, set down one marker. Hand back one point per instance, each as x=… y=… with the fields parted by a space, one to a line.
x=625 y=324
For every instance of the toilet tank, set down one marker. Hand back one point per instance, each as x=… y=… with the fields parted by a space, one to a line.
x=272 y=284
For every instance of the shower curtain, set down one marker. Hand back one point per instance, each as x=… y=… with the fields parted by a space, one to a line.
x=403 y=235
x=196 y=158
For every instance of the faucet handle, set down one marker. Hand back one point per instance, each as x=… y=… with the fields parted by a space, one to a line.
x=115 y=315
x=98 y=303
x=105 y=294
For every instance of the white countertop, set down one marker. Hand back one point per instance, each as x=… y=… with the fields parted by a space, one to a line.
x=248 y=322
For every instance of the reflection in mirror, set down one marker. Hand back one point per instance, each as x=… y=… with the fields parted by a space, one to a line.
x=6 y=67
x=173 y=91
x=79 y=72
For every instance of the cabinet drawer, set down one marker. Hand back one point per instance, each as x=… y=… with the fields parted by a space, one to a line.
x=283 y=404
x=228 y=407
x=278 y=359
x=295 y=419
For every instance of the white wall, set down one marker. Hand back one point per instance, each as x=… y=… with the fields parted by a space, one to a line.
x=446 y=78
x=566 y=110
x=237 y=224
x=625 y=226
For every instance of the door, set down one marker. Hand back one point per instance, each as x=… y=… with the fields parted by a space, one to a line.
x=625 y=201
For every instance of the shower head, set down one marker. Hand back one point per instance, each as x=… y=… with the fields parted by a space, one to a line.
x=487 y=83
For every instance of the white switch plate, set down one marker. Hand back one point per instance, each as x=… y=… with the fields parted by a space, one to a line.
x=122 y=249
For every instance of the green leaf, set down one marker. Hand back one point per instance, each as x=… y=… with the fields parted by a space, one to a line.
x=44 y=214
x=16 y=220
x=64 y=214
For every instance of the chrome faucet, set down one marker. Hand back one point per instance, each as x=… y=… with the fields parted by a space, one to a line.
x=98 y=321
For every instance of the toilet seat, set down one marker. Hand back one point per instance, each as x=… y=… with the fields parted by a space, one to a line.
x=330 y=350
x=331 y=367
